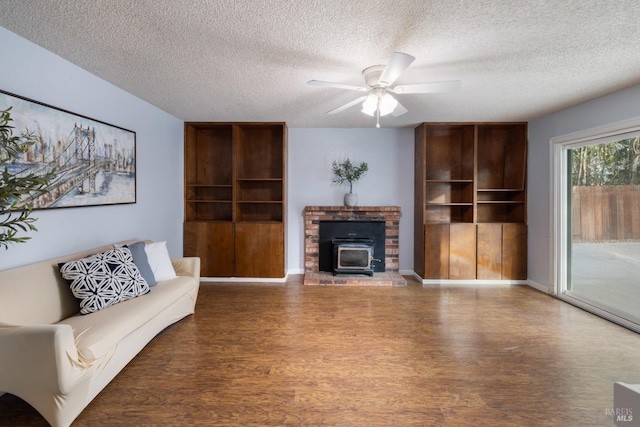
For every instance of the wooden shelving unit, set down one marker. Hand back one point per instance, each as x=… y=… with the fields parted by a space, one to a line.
x=469 y=176
x=235 y=198
x=208 y=182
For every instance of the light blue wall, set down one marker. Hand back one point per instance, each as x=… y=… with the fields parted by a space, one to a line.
x=389 y=181
x=615 y=107
x=30 y=71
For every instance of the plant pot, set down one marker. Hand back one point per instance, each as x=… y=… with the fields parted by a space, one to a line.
x=350 y=199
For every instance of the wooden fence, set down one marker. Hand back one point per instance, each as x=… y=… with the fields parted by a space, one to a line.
x=606 y=213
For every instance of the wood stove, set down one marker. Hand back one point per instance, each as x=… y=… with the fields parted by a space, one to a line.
x=370 y=233
x=353 y=256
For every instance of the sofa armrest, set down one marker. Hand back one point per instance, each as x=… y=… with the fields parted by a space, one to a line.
x=38 y=356
x=187 y=266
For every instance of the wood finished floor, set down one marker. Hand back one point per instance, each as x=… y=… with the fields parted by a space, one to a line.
x=293 y=355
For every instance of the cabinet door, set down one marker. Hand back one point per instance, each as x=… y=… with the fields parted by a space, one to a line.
x=514 y=251
x=259 y=250
x=489 y=252
x=213 y=243
x=436 y=251
x=462 y=251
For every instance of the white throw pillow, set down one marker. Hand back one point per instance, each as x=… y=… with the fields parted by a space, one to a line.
x=160 y=261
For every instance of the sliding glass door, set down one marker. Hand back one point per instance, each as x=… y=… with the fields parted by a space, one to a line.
x=598 y=226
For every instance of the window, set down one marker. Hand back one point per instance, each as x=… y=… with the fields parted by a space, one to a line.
x=596 y=211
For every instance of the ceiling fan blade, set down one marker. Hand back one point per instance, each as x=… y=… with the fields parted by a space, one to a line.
x=432 y=87
x=337 y=85
x=347 y=105
x=399 y=110
x=397 y=64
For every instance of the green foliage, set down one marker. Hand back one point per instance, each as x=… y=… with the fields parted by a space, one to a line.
x=15 y=215
x=610 y=163
x=348 y=172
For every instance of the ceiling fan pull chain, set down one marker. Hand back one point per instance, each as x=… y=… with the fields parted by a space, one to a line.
x=378 y=113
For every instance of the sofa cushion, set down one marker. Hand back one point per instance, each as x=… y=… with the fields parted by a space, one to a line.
x=98 y=334
x=104 y=279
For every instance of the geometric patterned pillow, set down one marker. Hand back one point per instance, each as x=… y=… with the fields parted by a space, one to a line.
x=104 y=279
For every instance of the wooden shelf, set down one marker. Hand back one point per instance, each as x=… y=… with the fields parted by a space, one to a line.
x=499 y=222
x=259 y=151
x=235 y=194
x=209 y=186
x=253 y=221
x=501 y=155
x=208 y=201
x=488 y=202
x=259 y=212
x=449 y=192
x=451 y=181
x=501 y=212
x=508 y=190
x=262 y=202
x=208 y=211
x=469 y=175
x=448 y=213
x=206 y=194
x=450 y=155
x=259 y=179
x=260 y=190
x=500 y=196
x=448 y=204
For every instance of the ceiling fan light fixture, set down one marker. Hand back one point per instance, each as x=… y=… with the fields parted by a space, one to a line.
x=379 y=101
x=370 y=105
x=387 y=104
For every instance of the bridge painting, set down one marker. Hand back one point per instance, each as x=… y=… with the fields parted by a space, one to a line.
x=94 y=162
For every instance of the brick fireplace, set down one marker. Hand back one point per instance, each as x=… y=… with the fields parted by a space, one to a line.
x=314 y=215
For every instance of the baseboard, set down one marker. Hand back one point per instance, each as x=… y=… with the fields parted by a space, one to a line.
x=547 y=289
x=468 y=282
x=243 y=279
x=472 y=282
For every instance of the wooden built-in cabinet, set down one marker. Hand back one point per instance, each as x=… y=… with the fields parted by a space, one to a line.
x=501 y=251
x=450 y=249
x=470 y=201
x=235 y=198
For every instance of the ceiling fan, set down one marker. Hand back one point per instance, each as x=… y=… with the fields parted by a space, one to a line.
x=379 y=78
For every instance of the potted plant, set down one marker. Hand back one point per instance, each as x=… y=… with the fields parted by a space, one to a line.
x=346 y=171
x=15 y=213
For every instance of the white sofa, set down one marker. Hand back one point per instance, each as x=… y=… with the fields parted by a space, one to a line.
x=58 y=360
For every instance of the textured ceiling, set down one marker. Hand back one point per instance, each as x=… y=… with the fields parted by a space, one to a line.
x=235 y=60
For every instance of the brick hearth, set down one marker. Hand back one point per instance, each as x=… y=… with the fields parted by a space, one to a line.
x=313 y=215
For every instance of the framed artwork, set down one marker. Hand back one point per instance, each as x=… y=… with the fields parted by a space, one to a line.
x=94 y=162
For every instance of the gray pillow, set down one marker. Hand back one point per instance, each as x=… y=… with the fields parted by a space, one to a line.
x=142 y=262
